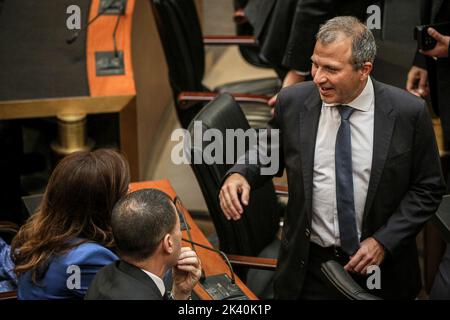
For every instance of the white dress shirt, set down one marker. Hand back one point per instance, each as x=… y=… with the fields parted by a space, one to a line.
x=325 y=224
x=157 y=280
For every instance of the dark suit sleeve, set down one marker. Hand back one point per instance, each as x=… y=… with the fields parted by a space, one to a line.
x=425 y=192
x=255 y=165
x=309 y=15
x=420 y=60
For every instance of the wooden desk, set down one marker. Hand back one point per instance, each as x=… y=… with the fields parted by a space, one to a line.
x=212 y=262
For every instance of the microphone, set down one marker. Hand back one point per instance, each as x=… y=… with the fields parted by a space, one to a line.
x=224 y=256
x=116 y=52
x=177 y=201
x=219 y=287
x=77 y=33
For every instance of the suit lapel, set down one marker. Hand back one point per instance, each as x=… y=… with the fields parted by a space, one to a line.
x=384 y=122
x=309 y=120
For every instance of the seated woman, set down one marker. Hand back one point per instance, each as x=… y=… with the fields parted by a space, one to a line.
x=61 y=247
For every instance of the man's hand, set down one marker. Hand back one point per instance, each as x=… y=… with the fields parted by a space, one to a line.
x=186 y=274
x=231 y=206
x=370 y=253
x=441 y=48
x=292 y=77
x=417 y=82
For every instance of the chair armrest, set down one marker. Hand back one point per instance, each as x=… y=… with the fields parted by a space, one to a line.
x=281 y=190
x=342 y=281
x=8 y=295
x=188 y=99
x=230 y=40
x=253 y=262
x=8 y=227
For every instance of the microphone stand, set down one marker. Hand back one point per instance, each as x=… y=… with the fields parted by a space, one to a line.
x=224 y=256
x=216 y=287
x=77 y=33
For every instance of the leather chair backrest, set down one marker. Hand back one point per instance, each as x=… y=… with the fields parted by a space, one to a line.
x=182 y=40
x=259 y=223
x=181 y=36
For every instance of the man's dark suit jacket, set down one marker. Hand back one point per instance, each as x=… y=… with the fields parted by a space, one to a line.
x=405 y=188
x=286 y=29
x=437 y=11
x=122 y=281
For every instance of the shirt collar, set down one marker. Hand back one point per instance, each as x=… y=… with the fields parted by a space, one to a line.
x=157 y=280
x=362 y=102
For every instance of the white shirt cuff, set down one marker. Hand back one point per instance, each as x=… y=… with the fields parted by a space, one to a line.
x=302 y=73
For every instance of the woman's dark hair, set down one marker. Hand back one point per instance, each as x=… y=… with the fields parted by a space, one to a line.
x=77 y=203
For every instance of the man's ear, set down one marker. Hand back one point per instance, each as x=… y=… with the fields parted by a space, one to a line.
x=167 y=243
x=366 y=69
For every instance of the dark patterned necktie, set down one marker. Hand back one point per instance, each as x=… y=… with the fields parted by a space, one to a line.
x=344 y=184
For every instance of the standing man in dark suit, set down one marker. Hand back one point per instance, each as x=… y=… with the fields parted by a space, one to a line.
x=146 y=230
x=363 y=171
x=285 y=30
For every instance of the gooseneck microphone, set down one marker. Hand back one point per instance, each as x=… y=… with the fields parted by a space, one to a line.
x=116 y=52
x=177 y=201
x=77 y=33
x=224 y=256
x=219 y=287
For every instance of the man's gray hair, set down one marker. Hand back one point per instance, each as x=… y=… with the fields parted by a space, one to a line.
x=364 y=48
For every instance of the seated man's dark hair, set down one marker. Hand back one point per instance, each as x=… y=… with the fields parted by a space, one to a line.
x=139 y=222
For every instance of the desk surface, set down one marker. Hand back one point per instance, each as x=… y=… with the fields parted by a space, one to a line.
x=212 y=263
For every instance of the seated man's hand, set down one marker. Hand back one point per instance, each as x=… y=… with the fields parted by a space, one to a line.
x=441 y=48
x=186 y=274
x=417 y=82
x=230 y=203
x=370 y=253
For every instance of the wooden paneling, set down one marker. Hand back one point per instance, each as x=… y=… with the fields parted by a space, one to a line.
x=21 y=109
x=128 y=137
x=154 y=95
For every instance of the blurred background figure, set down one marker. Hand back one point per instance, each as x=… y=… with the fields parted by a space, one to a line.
x=429 y=74
x=429 y=77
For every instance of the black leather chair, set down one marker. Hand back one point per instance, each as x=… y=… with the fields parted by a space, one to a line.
x=342 y=280
x=255 y=233
x=251 y=54
x=183 y=43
